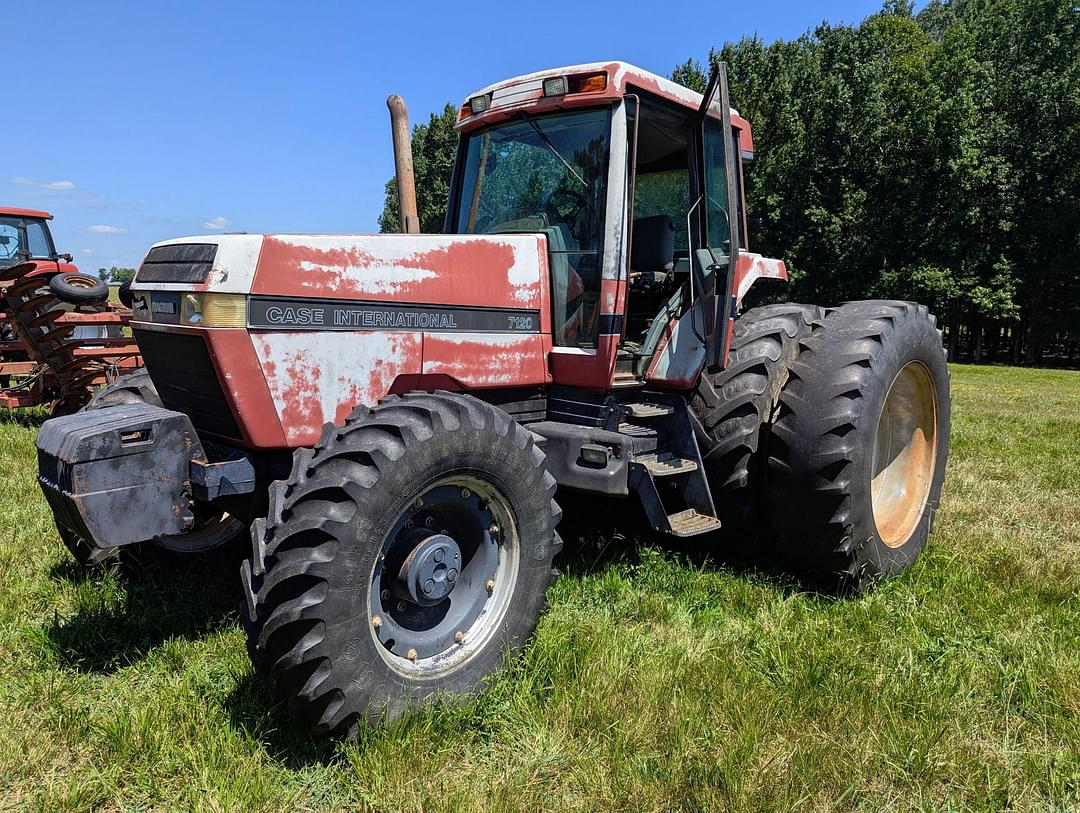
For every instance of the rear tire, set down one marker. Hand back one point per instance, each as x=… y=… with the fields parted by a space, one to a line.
x=859 y=448
x=326 y=619
x=733 y=409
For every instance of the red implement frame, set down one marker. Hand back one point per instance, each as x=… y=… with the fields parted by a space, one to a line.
x=41 y=361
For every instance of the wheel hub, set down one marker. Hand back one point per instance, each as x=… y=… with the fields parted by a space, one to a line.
x=430 y=571
x=436 y=589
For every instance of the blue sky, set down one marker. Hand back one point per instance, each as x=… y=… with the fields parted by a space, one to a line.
x=135 y=122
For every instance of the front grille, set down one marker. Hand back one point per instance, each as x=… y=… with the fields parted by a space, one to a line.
x=181 y=262
x=186 y=380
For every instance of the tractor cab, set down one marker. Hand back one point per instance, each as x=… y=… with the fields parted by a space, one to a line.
x=25 y=237
x=636 y=184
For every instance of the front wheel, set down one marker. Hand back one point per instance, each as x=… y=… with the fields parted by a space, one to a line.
x=406 y=554
x=858 y=452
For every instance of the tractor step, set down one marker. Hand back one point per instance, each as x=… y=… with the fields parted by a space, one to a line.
x=641 y=411
x=668 y=475
x=691 y=523
x=665 y=464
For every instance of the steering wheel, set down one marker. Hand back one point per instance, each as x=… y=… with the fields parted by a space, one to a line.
x=582 y=213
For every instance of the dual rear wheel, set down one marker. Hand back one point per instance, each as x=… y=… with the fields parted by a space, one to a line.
x=829 y=431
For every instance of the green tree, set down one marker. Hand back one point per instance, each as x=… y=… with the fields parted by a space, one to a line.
x=931 y=156
x=117 y=276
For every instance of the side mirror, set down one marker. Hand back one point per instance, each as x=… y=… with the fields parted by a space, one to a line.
x=66 y=257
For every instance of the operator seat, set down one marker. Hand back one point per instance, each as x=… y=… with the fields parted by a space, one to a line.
x=652 y=260
x=652 y=245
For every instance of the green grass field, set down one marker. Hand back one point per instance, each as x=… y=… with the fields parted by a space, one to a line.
x=659 y=680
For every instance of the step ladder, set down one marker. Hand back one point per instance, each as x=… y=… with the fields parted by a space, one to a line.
x=666 y=471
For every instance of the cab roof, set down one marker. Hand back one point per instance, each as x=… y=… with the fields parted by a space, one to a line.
x=14 y=211
x=510 y=96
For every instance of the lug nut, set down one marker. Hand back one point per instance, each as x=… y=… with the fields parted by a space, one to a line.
x=419 y=503
x=385 y=595
x=440 y=554
x=429 y=521
x=459 y=636
x=465 y=493
x=451 y=575
x=429 y=585
x=494 y=529
x=411 y=654
x=401 y=606
x=490 y=585
x=376 y=621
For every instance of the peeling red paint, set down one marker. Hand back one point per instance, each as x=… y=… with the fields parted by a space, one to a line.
x=442 y=269
x=486 y=360
x=752 y=267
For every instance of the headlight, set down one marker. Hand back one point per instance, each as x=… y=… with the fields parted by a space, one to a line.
x=214 y=310
x=201 y=309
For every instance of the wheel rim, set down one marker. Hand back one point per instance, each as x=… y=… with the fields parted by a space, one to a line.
x=425 y=618
x=79 y=281
x=905 y=454
x=210 y=532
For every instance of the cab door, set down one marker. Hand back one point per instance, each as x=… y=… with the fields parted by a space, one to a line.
x=715 y=260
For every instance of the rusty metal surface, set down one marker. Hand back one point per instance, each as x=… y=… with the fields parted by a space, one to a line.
x=403 y=165
x=63 y=370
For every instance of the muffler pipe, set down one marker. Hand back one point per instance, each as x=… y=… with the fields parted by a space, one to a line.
x=403 y=165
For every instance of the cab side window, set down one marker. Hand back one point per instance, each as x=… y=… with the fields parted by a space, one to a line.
x=716 y=192
x=38 y=241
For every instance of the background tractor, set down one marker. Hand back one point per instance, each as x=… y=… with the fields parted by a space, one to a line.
x=60 y=338
x=391 y=415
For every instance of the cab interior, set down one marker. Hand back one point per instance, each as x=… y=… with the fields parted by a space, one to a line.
x=659 y=252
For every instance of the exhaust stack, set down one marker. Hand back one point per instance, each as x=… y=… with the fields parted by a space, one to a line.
x=403 y=165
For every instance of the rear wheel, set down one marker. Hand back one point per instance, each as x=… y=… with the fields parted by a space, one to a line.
x=404 y=556
x=859 y=447
x=733 y=409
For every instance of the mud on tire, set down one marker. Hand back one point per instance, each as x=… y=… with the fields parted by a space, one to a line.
x=858 y=450
x=318 y=574
x=733 y=409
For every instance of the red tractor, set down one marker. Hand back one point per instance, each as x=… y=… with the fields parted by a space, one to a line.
x=60 y=338
x=393 y=414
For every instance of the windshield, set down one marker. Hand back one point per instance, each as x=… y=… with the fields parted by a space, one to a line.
x=534 y=174
x=546 y=174
x=9 y=240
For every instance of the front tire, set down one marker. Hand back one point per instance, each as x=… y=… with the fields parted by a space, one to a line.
x=858 y=451
x=336 y=611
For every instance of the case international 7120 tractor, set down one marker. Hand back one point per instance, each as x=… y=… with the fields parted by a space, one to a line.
x=391 y=415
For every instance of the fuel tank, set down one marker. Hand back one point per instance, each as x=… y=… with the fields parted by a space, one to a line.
x=262 y=339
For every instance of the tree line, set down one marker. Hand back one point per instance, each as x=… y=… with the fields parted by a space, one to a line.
x=932 y=156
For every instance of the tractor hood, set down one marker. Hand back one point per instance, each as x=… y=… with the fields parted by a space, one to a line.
x=467 y=269
x=299 y=330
